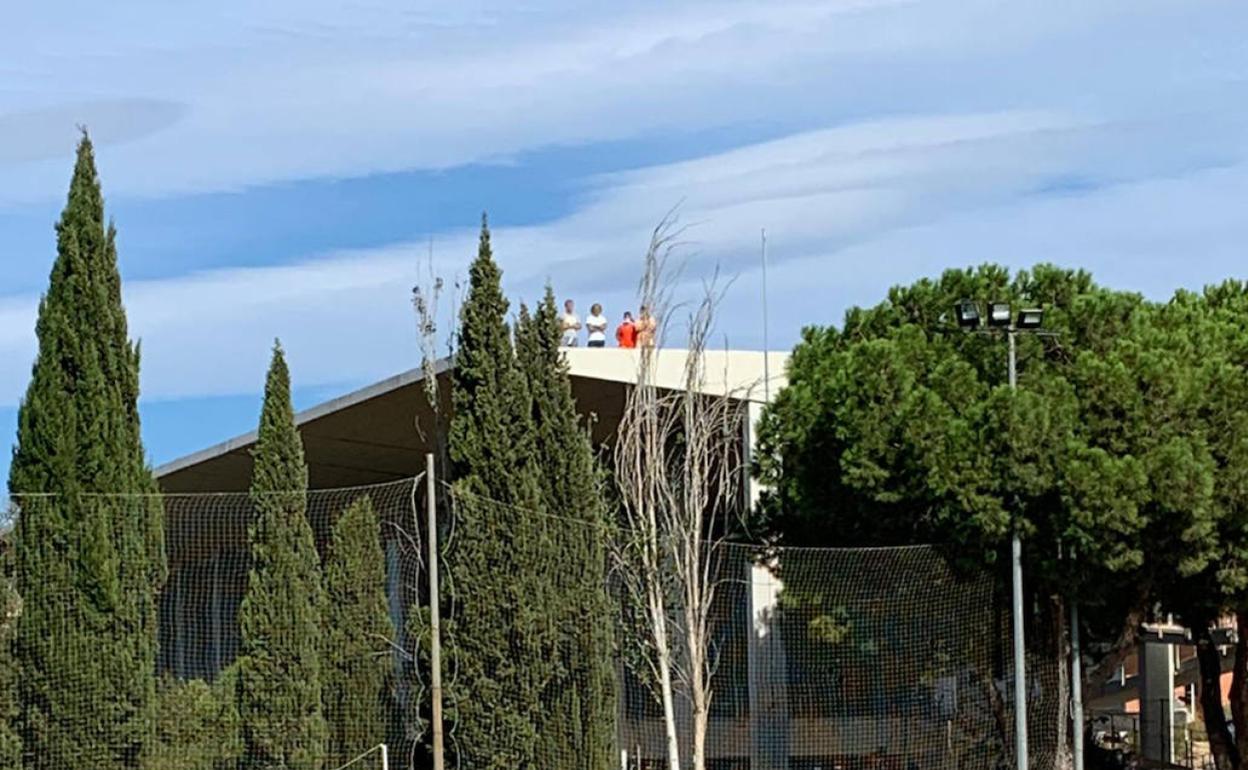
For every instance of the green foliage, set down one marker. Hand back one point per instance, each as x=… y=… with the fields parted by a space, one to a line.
x=491 y=433
x=578 y=727
x=833 y=627
x=1126 y=445
x=900 y=429
x=1126 y=442
x=358 y=659
x=88 y=568
x=280 y=667
x=502 y=637
x=10 y=608
x=1204 y=466
x=197 y=725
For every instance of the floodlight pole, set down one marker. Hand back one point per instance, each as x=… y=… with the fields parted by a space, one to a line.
x=1076 y=675
x=1020 y=659
x=435 y=616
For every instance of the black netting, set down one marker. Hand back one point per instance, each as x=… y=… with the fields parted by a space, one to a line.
x=819 y=659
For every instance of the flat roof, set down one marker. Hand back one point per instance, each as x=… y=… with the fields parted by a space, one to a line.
x=366 y=393
x=372 y=434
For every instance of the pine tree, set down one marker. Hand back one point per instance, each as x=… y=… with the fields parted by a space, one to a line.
x=88 y=568
x=501 y=638
x=357 y=623
x=579 y=727
x=280 y=618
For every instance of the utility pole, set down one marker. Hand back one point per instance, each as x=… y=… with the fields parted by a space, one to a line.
x=766 y=345
x=1020 y=659
x=435 y=615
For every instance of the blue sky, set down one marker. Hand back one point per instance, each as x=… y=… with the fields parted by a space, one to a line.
x=283 y=169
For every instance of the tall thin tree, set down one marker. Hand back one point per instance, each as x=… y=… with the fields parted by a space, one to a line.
x=10 y=609
x=280 y=668
x=499 y=635
x=579 y=727
x=358 y=661
x=89 y=542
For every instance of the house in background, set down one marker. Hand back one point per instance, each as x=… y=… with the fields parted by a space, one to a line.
x=1151 y=701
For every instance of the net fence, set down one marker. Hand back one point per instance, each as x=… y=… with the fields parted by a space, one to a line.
x=878 y=658
x=70 y=639
x=816 y=659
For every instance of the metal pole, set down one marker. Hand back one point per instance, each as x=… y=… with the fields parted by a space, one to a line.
x=1076 y=684
x=766 y=345
x=1020 y=663
x=385 y=757
x=435 y=616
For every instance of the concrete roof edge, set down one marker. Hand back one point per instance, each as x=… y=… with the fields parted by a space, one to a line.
x=307 y=415
x=582 y=362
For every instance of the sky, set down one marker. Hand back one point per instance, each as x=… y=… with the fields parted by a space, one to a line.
x=291 y=169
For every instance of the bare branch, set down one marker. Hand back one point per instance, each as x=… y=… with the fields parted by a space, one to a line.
x=678 y=463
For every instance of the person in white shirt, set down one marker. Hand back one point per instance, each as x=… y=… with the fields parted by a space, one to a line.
x=569 y=325
x=596 y=323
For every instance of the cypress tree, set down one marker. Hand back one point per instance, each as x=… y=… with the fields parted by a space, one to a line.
x=579 y=726
x=491 y=441
x=88 y=568
x=279 y=670
x=196 y=726
x=501 y=634
x=10 y=607
x=357 y=621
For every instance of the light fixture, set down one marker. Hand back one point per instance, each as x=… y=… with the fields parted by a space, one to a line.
x=999 y=314
x=968 y=314
x=1031 y=318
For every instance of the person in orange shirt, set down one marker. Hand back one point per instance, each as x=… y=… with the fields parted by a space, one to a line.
x=647 y=327
x=626 y=332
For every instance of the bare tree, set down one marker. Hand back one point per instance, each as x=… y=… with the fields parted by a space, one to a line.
x=412 y=646
x=678 y=464
x=425 y=298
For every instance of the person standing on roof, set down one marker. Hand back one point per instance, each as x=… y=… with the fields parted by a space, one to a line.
x=596 y=324
x=569 y=325
x=647 y=328
x=626 y=332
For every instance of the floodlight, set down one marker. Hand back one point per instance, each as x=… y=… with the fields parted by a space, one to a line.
x=999 y=314
x=968 y=314
x=1030 y=318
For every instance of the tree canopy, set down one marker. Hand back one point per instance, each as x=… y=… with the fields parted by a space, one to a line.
x=1120 y=459
x=899 y=428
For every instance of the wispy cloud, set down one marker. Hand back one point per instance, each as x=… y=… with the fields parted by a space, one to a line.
x=912 y=136
x=279 y=91
x=850 y=210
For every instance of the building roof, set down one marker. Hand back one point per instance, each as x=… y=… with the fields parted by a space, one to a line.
x=374 y=434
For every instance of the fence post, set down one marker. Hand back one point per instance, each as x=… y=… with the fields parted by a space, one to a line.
x=435 y=616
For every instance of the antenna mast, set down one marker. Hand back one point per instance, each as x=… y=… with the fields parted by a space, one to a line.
x=766 y=345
